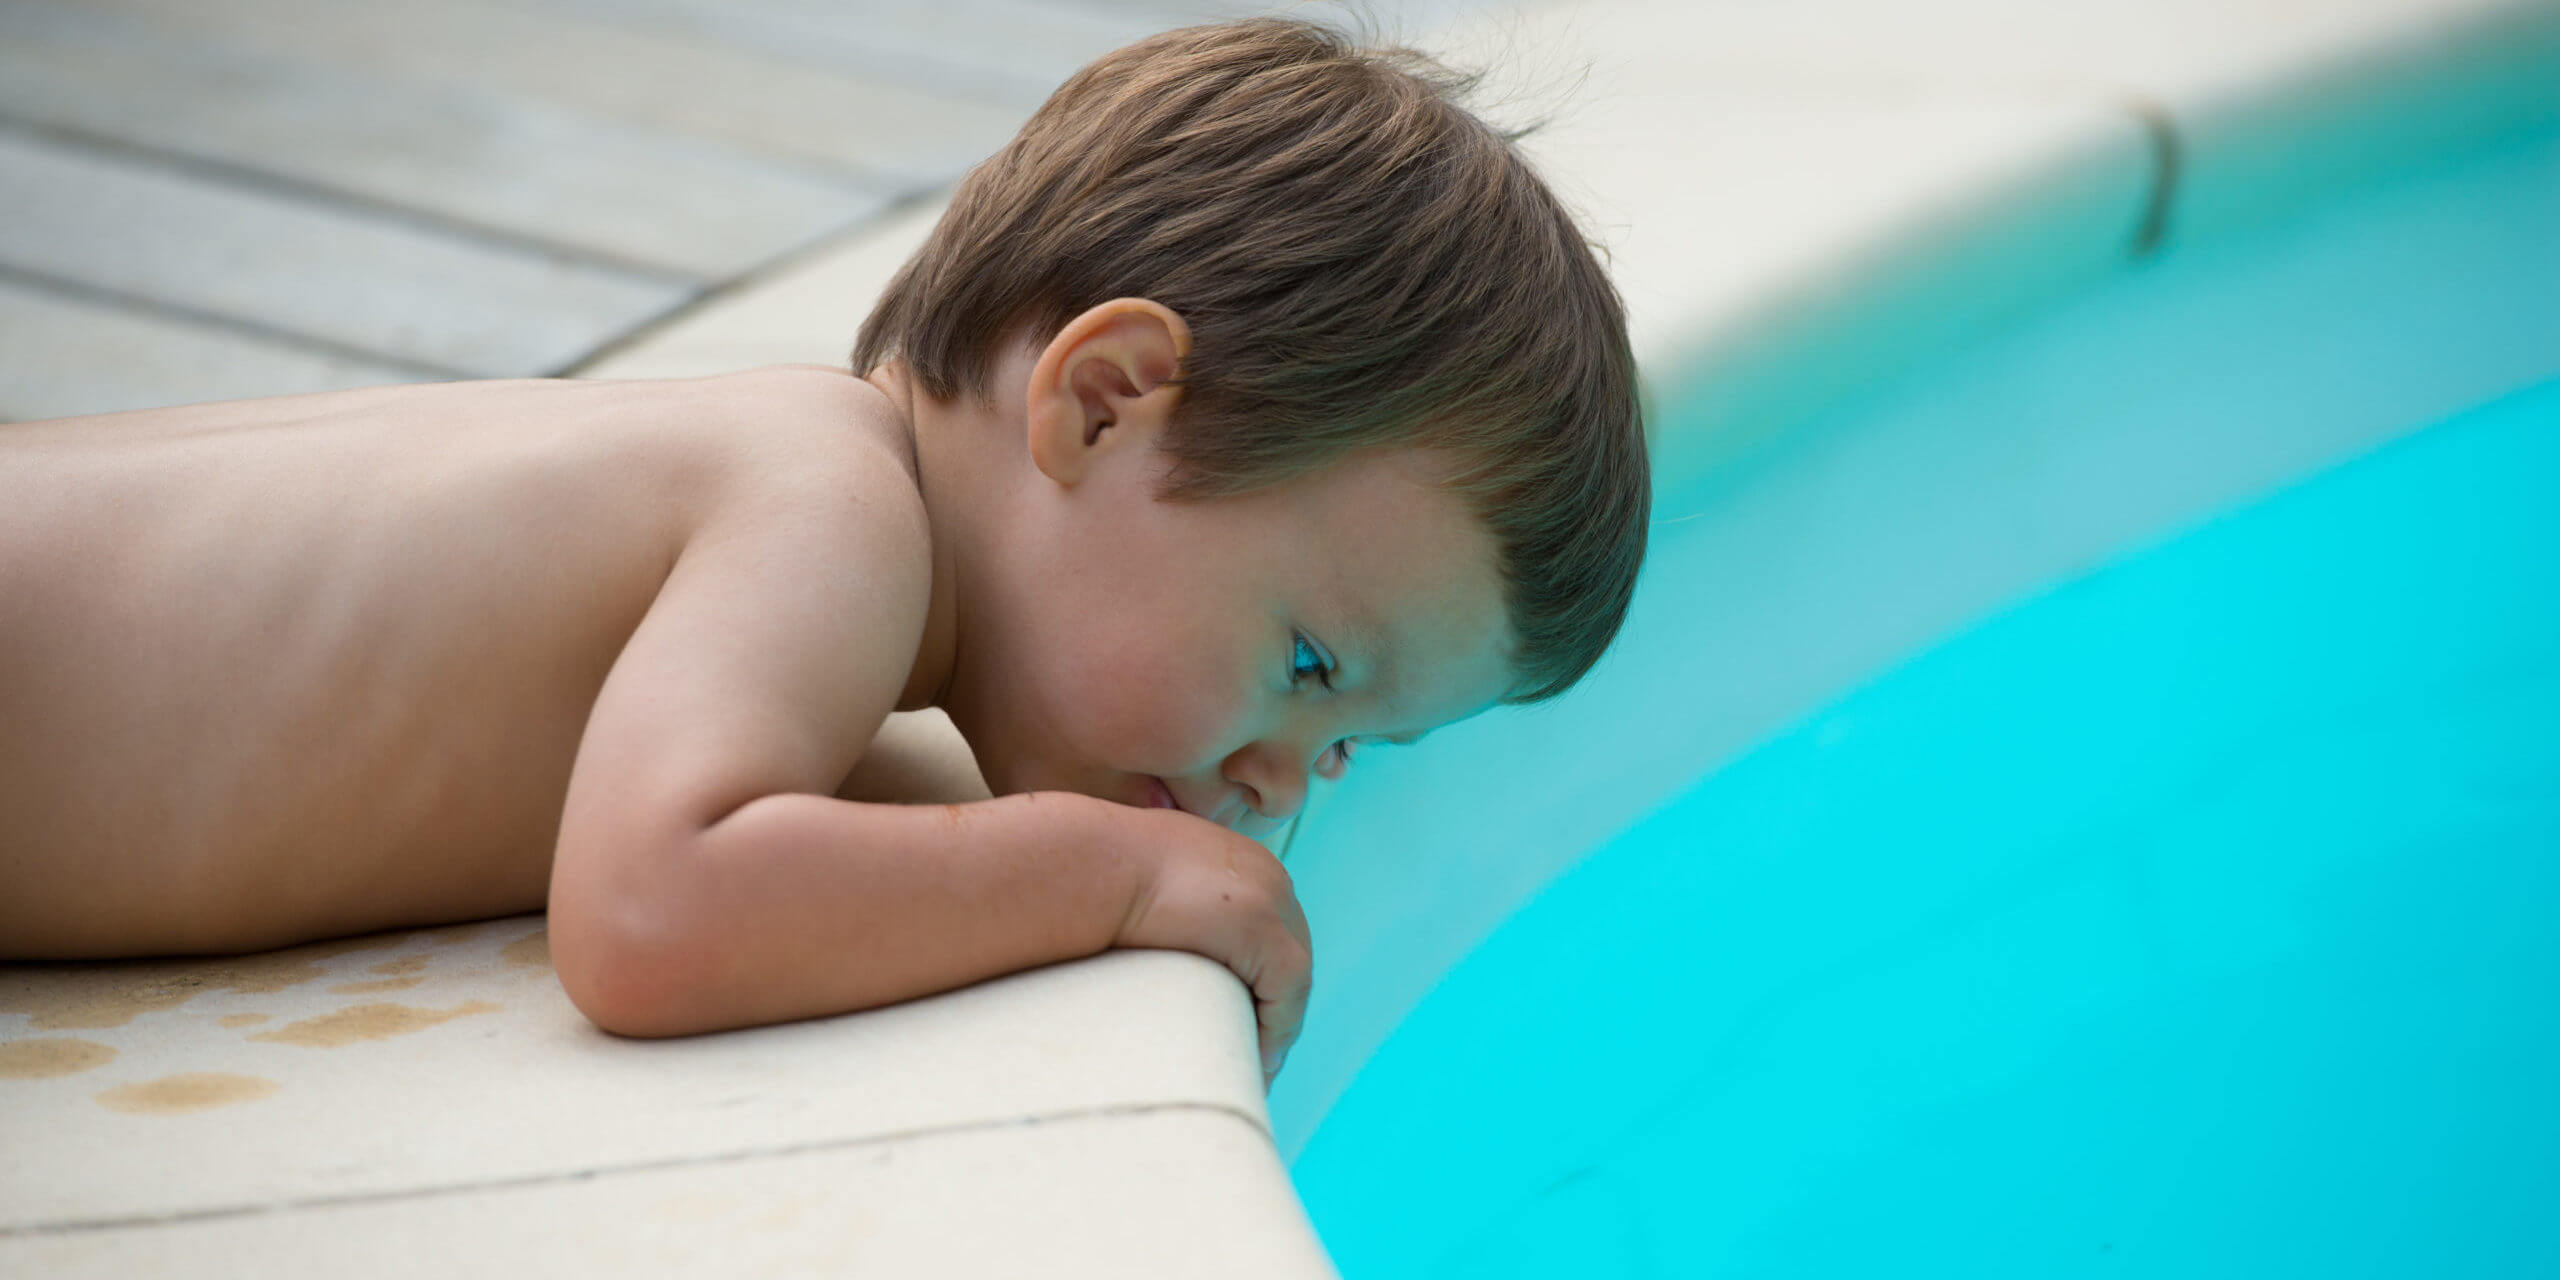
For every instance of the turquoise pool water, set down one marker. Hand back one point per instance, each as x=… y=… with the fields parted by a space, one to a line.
x=2185 y=902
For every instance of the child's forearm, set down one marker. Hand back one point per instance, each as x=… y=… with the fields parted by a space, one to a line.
x=796 y=906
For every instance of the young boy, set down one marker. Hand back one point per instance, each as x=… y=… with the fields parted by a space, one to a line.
x=1253 y=405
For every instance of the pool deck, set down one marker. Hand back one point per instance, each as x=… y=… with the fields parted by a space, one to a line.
x=210 y=202
x=258 y=197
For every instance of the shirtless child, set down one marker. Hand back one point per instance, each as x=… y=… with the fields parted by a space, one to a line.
x=1255 y=404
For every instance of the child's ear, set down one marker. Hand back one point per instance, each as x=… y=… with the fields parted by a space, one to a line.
x=1104 y=384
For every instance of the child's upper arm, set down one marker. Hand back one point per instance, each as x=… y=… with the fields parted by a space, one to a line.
x=779 y=642
x=917 y=757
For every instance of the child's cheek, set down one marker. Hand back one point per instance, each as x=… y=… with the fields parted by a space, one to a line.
x=1175 y=718
x=1198 y=729
x=1100 y=697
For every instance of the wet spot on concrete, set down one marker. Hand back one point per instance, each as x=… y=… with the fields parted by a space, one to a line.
x=93 y=994
x=51 y=1056
x=194 y=1091
x=368 y=1022
x=243 y=1019
x=532 y=951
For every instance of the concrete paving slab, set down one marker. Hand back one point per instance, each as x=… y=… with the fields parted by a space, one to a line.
x=809 y=313
x=1009 y=51
x=62 y=356
x=1168 y=1192
x=543 y=127
x=372 y=1068
x=2202 y=68
x=2171 y=51
x=893 y=134
x=457 y=306
x=477 y=160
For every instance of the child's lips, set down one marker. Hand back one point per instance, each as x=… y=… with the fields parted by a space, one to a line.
x=1160 y=796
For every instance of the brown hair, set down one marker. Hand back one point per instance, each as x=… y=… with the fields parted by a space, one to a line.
x=1362 y=264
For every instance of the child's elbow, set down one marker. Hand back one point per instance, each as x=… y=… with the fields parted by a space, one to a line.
x=631 y=966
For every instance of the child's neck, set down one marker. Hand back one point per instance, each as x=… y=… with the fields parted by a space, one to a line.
x=943 y=482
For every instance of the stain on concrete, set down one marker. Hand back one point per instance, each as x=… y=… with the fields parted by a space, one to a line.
x=374 y=988
x=243 y=1019
x=403 y=974
x=194 y=1091
x=532 y=951
x=50 y=1056
x=111 y=993
x=369 y=1022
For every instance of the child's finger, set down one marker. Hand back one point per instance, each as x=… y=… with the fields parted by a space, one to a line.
x=1279 y=1019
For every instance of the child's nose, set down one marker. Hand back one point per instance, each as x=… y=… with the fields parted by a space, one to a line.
x=1287 y=795
x=1273 y=778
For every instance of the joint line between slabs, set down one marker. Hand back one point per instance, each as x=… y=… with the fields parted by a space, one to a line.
x=61 y=286
x=92 y=1226
x=243 y=177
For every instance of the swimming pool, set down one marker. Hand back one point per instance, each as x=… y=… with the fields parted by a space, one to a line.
x=2091 y=807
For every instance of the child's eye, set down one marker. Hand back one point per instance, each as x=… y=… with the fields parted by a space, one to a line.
x=1307 y=660
x=1335 y=761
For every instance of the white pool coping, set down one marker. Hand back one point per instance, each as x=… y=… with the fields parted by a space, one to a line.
x=1782 y=189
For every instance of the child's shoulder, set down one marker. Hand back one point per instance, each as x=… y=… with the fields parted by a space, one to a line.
x=814 y=470
x=810 y=409
x=810 y=430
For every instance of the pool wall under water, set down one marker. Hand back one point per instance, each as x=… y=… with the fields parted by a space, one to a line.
x=1587 y=1042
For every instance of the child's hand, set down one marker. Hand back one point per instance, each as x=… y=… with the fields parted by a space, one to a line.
x=1213 y=891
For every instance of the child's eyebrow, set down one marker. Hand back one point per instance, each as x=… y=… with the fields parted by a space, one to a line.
x=1369 y=639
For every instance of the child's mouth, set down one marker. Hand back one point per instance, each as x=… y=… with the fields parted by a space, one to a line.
x=1160 y=796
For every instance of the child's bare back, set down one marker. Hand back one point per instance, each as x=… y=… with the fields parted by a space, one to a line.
x=283 y=669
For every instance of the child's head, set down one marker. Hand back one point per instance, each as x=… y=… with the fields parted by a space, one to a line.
x=1361 y=264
